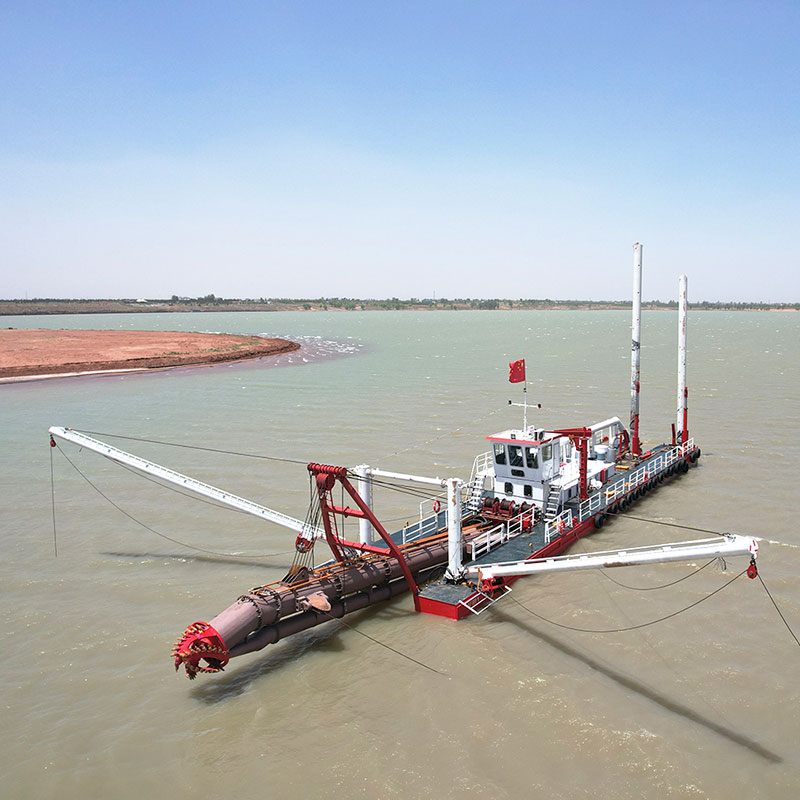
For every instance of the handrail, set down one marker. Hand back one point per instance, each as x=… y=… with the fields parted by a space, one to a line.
x=618 y=488
x=500 y=533
x=480 y=465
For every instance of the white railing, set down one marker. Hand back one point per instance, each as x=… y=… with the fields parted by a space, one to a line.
x=481 y=465
x=565 y=521
x=430 y=522
x=501 y=532
x=595 y=502
x=621 y=486
x=431 y=506
x=427 y=525
x=561 y=524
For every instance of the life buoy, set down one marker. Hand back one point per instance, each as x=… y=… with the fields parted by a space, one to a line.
x=436 y=506
x=303 y=545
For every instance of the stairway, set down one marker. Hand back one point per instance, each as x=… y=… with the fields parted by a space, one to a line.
x=474 y=494
x=552 y=505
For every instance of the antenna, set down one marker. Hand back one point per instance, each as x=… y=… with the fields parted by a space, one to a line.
x=525 y=405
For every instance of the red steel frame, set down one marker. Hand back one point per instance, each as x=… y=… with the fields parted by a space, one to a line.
x=326 y=477
x=580 y=438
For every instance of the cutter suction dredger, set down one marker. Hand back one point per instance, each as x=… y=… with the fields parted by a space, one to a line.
x=528 y=499
x=361 y=574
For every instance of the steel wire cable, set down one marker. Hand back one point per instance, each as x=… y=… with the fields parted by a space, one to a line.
x=631 y=627
x=418 y=493
x=169 y=488
x=662 y=586
x=383 y=644
x=626 y=515
x=780 y=614
x=158 y=533
x=53 y=503
x=193 y=447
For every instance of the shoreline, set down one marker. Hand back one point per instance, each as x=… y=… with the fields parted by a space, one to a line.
x=46 y=308
x=39 y=354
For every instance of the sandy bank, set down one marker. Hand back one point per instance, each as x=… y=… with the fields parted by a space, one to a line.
x=44 y=352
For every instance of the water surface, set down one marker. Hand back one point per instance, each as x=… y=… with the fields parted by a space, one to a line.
x=702 y=705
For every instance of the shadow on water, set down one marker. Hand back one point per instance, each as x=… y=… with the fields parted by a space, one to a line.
x=322 y=639
x=236 y=562
x=645 y=691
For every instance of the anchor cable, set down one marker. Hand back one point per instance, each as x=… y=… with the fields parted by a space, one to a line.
x=383 y=644
x=769 y=594
x=626 y=515
x=153 y=530
x=663 y=585
x=53 y=503
x=631 y=627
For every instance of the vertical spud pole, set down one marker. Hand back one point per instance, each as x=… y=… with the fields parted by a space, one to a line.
x=636 y=329
x=681 y=421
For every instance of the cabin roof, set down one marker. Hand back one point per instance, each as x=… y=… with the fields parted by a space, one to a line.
x=513 y=436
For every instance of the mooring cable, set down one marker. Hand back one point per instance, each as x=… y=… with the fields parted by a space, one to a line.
x=631 y=627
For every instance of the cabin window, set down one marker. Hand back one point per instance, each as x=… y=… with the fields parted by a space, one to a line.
x=499 y=453
x=515 y=455
x=509 y=488
x=547 y=452
x=532 y=457
x=528 y=490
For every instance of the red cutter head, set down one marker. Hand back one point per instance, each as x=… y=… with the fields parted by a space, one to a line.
x=200 y=641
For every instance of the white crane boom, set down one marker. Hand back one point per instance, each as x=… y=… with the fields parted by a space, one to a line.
x=185 y=482
x=727 y=545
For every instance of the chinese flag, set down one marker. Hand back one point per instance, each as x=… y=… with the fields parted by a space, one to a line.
x=516 y=371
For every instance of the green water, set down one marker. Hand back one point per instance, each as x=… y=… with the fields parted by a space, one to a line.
x=702 y=705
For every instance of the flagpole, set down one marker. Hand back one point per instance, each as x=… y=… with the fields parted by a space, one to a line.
x=525 y=406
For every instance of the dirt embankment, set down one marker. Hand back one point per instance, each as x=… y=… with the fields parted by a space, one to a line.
x=57 y=352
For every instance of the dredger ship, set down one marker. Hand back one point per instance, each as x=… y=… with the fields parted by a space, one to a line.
x=528 y=498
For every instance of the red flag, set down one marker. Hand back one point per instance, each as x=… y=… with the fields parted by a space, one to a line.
x=516 y=371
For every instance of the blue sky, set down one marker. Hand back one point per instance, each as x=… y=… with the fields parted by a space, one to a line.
x=380 y=149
